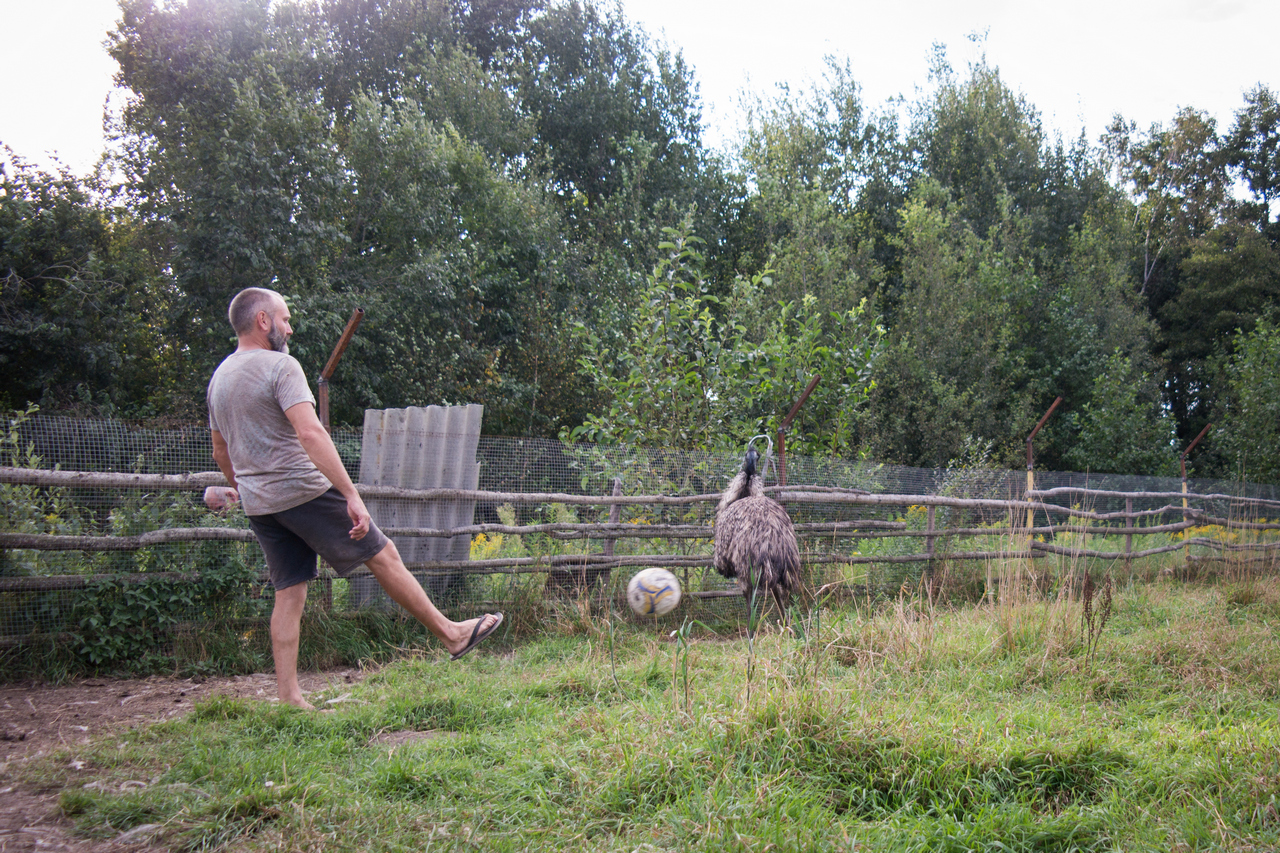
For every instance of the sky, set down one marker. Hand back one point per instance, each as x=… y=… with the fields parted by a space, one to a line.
x=1078 y=63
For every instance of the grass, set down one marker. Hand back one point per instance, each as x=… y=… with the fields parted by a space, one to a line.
x=896 y=727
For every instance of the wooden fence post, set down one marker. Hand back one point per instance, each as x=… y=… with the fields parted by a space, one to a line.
x=615 y=516
x=929 y=549
x=1128 y=535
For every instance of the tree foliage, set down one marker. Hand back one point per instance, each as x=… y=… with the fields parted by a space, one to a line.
x=510 y=188
x=1249 y=416
x=76 y=314
x=692 y=374
x=1123 y=428
x=471 y=173
x=812 y=156
x=1253 y=148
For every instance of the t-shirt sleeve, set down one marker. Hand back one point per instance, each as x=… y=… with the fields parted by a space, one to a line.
x=291 y=385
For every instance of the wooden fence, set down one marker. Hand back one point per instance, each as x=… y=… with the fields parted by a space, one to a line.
x=1179 y=513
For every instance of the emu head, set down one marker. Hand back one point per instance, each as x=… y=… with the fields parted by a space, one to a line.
x=749 y=462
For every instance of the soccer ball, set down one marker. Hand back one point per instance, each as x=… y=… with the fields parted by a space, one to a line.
x=653 y=592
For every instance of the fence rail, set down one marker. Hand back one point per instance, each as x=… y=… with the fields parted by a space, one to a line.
x=1019 y=540
x=107 y=553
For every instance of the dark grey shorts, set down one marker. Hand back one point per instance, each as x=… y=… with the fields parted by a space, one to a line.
x=292 y=539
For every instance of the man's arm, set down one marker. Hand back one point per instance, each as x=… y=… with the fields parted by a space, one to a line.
x=319 y=446
x=215 y=497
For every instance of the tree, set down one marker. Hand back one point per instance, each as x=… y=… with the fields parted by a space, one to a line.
x=591 y=86
x=955 y=364
x=230 y=158
x=1178 y=178
x=494 y=27
x=1249 y=412
x=1123 y=428
x=810 y=158
x=469 y=186
x=1206 y=268
x=451 y=87
x=1253 y=147
x=361 y=47
x=982 y=144
x=988 y=333
x=444 y=252
x=1229 y=278
x=691 y=377
x=78 y=300
x=617 y=133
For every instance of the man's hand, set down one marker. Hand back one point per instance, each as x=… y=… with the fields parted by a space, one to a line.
x=359 y=517
x=220 y=498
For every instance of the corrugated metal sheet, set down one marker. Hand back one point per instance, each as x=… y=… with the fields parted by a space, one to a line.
x=420 y=448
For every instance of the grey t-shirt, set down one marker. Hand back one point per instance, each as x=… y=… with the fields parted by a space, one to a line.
x=247 y=398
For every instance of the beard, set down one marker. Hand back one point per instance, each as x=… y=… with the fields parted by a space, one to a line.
x=278 y=341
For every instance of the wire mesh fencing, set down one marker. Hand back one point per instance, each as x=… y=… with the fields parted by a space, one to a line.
x=108 y=545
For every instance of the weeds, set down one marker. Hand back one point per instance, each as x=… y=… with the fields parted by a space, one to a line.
x=684 y=645
x=613 y=660
x=1093 y=620
x=753 y=614
x=943 y=739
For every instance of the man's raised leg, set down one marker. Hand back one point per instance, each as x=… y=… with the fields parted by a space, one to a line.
x=403 y=588
x=286 y=626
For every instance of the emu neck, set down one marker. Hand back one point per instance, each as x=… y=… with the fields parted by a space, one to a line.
x=742 y=486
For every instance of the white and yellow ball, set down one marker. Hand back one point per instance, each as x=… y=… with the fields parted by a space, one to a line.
x=653 y=592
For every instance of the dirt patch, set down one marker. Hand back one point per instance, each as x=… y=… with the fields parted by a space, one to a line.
x=36 y=720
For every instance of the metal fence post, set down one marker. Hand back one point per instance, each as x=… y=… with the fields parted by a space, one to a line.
x=322 y=410
x=1031 y=482
x=322 y=386
x=1186 y=548
x=786 y=425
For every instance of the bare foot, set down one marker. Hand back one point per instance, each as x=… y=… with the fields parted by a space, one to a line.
x=298 y=703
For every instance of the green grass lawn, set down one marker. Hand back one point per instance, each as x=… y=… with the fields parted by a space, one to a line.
x=1001 y=727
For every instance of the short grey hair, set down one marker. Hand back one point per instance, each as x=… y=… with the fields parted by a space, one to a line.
x=247 y=303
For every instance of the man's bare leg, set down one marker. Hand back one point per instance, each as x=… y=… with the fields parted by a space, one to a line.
x=286 y=625
x=405 y=590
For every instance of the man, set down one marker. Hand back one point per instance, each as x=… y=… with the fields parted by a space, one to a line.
x=282 y=466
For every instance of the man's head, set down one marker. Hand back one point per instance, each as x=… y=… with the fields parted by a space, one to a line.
x=256 y=309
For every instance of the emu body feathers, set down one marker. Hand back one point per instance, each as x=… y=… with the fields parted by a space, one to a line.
x=755 y=541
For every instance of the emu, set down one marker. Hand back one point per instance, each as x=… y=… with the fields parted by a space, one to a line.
x=755 y=541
